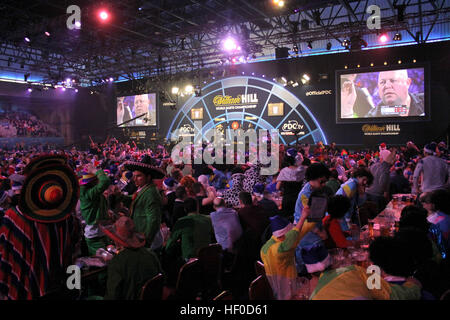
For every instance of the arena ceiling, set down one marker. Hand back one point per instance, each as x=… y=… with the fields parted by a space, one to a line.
x=154 y=38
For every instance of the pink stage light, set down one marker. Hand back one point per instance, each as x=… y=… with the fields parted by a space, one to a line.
x=383 y=38
x=103 y=15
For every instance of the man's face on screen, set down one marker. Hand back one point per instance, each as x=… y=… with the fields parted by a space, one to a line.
x=393 y=87
x=140 y=104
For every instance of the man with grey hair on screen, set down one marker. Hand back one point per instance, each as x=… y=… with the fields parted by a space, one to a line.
x=396 y=100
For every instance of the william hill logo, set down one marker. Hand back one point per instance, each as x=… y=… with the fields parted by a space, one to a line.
x=229 y=100
x=387 y=129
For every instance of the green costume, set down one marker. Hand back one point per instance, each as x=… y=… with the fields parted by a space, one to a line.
x=94 y=208
x=145 y=210
x=195 y=231
x=128 y=272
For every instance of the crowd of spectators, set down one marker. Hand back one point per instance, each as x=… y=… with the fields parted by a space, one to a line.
x=234 y=205
x=24 y=124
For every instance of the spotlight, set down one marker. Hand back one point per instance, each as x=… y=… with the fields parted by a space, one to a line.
x=371 y=64
x=310 y=44
x=279 y=3
x=103 y=15
x=295 y=84
x=30 y=89
x=78 y=24
x=345 y=67
x=47 y=33
x=399 y=61
x=305 y=78
x=63 y=89
x=346 y=43
x=189 y=89
x=358 y=66
x=111 y=79
x=329 y=46
x=27 y=39
x=414 y=61
x=175 y=90
x=383 y=38
x=397 y=37
x=76 y=90
x=385 y=63
x=230 y=44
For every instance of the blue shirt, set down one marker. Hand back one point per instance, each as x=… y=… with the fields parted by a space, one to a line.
x=302 y=200
x=227 y=227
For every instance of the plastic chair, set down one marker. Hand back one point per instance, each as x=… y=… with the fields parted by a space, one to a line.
x=224 y=295
x=189 y=285
x=153 y=288
x=259 y=268
x=260 y=289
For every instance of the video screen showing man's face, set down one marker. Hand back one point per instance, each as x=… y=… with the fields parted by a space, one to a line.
x=141 y=104
x=393 y=87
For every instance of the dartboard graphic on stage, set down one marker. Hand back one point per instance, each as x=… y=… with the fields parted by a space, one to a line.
x=248 y=103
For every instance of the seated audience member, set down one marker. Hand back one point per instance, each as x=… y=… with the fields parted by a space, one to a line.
x=351 y=283
x=262 y=198
x=434 y=276
x=398 y=182
x=416 y=218
x=441 y=218
x=289 y=181
x=317 y=260
x=178 y=206
x=194 y=231
x=132 y=266
x=278 y=255
x=337 y=207
x=227 y=227
x=333 y=183
x=252 y=217
x=169 y=186
x=205 y=198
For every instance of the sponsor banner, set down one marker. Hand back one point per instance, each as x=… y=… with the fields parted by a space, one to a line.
x=381 y=130
x=318 y=93
x=292 y=127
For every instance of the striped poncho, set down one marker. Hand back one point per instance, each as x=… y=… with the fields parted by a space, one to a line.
x=350 y=283
x=33 y=255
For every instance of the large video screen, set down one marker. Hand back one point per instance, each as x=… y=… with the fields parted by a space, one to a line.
x=393 y=93
x=130 y=107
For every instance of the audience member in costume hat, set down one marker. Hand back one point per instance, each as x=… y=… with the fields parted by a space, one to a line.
x=133 y=265
x=94 y=206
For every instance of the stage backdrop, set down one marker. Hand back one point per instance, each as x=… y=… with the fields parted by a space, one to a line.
x=249 y=103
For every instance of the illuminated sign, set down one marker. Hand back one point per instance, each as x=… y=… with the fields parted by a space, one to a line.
x=229 y=100
x=292 y=125
x=197 y=114
x=318 y=93
x=383 y=130
x=276 y=109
